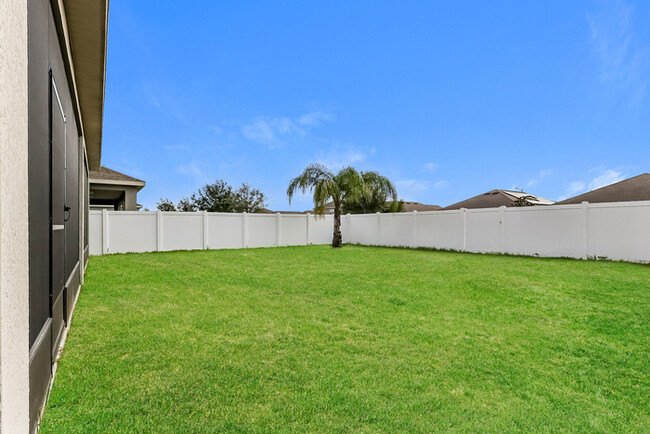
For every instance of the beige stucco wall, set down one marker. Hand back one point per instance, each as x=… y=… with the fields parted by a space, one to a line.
x=14 y=260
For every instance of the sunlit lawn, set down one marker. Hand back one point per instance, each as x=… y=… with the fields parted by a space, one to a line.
x=355 y=339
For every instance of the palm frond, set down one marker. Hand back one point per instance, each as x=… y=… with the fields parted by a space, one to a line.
x=309 y=179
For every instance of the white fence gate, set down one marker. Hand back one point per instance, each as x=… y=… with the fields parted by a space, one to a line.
x=619 y=231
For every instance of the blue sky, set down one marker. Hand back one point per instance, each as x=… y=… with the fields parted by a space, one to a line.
x=448 y=99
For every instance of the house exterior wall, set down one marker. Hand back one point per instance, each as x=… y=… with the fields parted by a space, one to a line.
x=55 y=182
x=33 y=41
x=14 y=259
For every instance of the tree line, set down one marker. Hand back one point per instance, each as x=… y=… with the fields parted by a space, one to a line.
x=219 y=197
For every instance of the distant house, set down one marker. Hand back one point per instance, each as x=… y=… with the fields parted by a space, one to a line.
x=268 y=211
x=497 y=198
x=419 y=207
x=329 y=208
x=113 y=190
x=631 y=189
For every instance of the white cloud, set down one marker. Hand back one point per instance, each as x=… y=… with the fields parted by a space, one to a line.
x=198 y=171
x=622 y=61
x=439 y=185
x=542 y=174
x=604 y=177
x=572 y=189
x=314 y=118
x=607 y=177
x=271 y=131
x=430 y=167
x=337 y=158
x=410 y=189
x=274 y=131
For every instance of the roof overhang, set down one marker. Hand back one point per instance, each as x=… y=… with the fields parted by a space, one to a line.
x=84 y=24
x=111 y=182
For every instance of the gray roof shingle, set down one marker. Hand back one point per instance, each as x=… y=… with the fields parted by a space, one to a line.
x=631 y=189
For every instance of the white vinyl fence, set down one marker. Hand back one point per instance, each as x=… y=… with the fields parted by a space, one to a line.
x=145 y=231
x=619 y=231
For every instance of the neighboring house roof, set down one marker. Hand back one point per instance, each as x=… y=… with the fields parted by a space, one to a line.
x=631 y=189
x=268 y=211
x=497 y=198
x=109 y=176
x=417 y=206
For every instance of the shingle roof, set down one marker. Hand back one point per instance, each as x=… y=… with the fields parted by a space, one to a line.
x=417 y=206
x=106 y=174
x=268 y=211
x=631 y=189
x=497 y=198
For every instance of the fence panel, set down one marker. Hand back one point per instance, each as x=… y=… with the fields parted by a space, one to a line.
x=95 y=232
x=439 y=229
x=361 y=229
x=262 y=230
x=321 y=228
x=225 y=231
x=293 y=230
x=619 y=232
x=550 y=231
x=132 y=231
x=182 y=231
x=396 y=229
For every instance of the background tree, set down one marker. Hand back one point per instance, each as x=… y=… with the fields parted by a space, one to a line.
x=374 y=197
x=217 y=197
x=394 y=206
x=165 y=205
x=187 y=204
x=248 y=199
x=346 y=184
x=524 y=201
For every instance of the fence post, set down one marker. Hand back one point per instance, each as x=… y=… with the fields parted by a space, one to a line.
x=463 y=232
x=378 y=229
x=348 y=230
x=585 y=230
x=415 y=229
x=278 y=226
x=502 y=228
x=159 y=245
x=308 y=228
x=205 y=230
x=244 y=229
x=104 y=231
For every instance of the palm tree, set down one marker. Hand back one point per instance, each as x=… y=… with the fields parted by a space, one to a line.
x=346 y=184
x=378 y=194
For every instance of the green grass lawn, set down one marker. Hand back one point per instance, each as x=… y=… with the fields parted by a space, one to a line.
x=355 y=339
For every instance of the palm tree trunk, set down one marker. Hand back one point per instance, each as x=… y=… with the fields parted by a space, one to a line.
x=337 y=239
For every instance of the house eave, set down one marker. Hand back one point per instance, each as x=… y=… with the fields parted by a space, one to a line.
x=83 y=26
x=111 y=182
